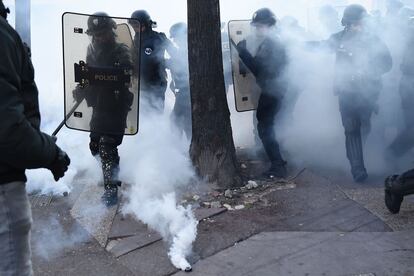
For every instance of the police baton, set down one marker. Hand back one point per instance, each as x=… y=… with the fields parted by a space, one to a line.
x=67 y=116
x=234 y=44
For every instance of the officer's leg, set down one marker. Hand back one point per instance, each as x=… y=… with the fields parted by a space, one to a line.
x=185 y=112
x=405 y=139
x=396 y=187
x=110 y=167
x=159 y=97
x=365 y=116
x=94 y=144
x=353 y=141
x=266 y=112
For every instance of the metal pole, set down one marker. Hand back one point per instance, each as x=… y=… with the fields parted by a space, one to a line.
x=22 y=21
x=70 y=113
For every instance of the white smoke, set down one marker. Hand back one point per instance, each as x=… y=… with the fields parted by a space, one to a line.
x=157 y=165
x=311 y=132
x=50 y=241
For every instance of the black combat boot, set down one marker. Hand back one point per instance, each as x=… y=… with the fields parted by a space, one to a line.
x=276 y=170
x=110 y=196
x=359 y=173
x=110 y=168
x=396 y=187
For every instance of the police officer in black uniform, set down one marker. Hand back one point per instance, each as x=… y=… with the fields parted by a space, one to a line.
x=153 y=75
x=110 y=104
x=361 y=60
x=178 y=66
x=267 y=65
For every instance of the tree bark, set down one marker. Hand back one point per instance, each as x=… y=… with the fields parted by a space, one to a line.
x=212 y=147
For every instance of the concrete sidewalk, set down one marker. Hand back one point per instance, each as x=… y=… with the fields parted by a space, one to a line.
x=312 y=253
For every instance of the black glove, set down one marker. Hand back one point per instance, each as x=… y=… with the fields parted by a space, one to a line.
x=60 y=165
x=78 y=94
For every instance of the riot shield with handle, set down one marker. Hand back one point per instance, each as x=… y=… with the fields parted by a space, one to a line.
x=246 y=90
x=101 y=85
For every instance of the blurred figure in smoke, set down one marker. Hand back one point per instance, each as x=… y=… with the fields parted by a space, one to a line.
x=291 y=31
x=293 y=35
x=178 y=65
x=23 y=146
x=361 y=59
x=393 y=8
x=110 y=104
x=405 y=140
x=153 y=75
x=225 y=48
x=329 y=18
x=267 y=64
x=396 y=187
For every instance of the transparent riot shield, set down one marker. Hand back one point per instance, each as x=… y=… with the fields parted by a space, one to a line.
x=246 y=91
x=101 y=79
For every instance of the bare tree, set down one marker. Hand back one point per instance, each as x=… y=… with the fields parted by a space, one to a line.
x=212 y=148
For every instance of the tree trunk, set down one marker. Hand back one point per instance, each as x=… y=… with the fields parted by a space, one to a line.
x=212 y=148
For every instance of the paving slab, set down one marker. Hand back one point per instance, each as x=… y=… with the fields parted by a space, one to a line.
x=128 y=234
x=316 y=204
x=204 y=213
x=70 y=249
x=39 y=200
x=151 y=260
x=91 y=214
x=125 y=226
x=140 y=240
x=311 y=253
x=373 y=200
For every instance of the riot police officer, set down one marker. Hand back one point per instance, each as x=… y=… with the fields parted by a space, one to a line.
x=153 y=76
x=178 y=65
x=361 y=60
x=110 y=104
x=329 y=19
x=267 y=65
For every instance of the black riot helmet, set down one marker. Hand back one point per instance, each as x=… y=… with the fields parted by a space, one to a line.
x=3 y=10
x=144 y=19
x=99 y=23
x=353 y=14
x=264 y=16
x=178 y=30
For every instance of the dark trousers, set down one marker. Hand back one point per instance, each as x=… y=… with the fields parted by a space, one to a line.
x=405 y=139
x=154 y=95
x=107 y=148
x=182 y=111
x=15 y=224
x=267 y=110
x=356 y=113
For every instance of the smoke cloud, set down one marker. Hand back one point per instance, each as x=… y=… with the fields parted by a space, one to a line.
x=155 y=164
x=158 y=170
x=50 y=241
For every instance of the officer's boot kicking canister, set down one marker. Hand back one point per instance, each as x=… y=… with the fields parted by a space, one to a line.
x=110 y=168
x=396 y=187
